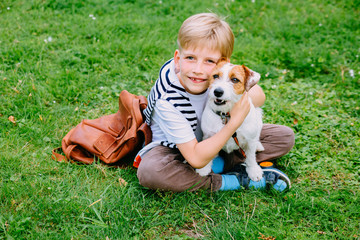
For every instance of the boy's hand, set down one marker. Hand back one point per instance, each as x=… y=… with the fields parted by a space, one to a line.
x=240 y=110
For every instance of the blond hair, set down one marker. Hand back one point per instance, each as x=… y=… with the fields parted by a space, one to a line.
x=206 y=30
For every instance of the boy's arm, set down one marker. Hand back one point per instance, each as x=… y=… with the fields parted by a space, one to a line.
x=198 y=154
x=257 y=96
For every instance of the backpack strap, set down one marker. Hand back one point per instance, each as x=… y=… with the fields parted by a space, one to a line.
x=55 y=155
x=77 y=155
x=145 y=130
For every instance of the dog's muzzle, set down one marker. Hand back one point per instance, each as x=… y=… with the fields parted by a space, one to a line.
x=218 y=92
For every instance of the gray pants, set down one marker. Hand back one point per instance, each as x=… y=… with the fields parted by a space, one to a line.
x=164 y=168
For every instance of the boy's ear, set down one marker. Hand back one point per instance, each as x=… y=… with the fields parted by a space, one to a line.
x=177 y=61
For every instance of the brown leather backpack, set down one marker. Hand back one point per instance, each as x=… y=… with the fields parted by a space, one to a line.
x=109 y=138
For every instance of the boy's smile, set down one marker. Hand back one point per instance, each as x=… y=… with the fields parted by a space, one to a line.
x=194 y=67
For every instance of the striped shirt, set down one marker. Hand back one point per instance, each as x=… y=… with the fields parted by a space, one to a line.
x=169 y=88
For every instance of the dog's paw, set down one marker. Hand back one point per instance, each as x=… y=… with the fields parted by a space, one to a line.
x=259 y=147
x=255 y=172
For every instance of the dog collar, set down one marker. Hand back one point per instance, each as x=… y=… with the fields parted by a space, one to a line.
x=224 y=116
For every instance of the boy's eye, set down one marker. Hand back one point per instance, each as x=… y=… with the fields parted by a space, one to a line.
x=211 y=61
x=235 y=80
x=190 y=57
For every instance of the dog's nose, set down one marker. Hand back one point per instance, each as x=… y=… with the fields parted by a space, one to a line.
x=218 y=92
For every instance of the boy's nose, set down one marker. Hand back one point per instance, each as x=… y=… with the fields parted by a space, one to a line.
x=198 y=67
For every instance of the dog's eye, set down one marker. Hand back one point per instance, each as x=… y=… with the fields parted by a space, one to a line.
x=235 y=80
x=215 y=76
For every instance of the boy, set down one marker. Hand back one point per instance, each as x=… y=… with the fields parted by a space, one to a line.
x=175 y=106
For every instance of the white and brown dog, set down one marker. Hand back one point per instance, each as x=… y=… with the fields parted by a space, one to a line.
x=227 y=84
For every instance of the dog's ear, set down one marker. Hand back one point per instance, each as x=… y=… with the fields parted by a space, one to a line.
x=251 y=77
x=222 y=61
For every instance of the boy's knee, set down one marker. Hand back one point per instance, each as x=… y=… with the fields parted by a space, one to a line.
x=289 y=137
x=290 y=133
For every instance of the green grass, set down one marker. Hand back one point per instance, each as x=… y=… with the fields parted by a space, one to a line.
x=305 y=52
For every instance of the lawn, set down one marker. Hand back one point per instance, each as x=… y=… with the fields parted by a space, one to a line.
x=64 y=61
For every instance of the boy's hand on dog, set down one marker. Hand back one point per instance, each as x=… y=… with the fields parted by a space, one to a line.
x=240 y=110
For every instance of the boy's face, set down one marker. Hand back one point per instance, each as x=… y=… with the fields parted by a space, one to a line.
x=194 y=67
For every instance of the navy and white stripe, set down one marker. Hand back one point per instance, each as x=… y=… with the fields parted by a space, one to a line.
x=168 y=87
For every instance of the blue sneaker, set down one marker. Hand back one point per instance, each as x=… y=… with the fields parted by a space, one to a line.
x=272 y=176
x=245 y=182
x=279 y=180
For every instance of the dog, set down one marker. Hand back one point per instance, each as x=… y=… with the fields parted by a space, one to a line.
x=227 y=84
